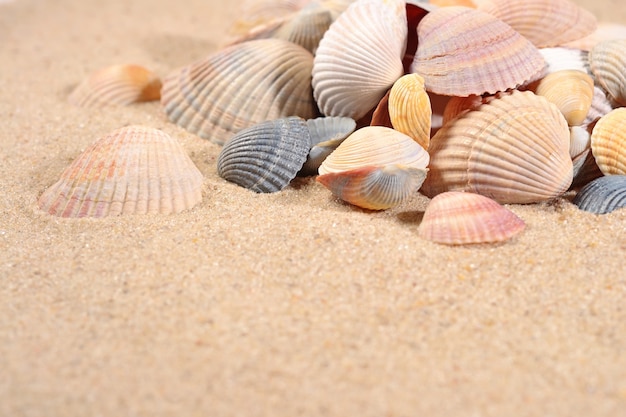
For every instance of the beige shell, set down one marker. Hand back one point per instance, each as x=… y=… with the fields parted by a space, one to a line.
x=409 y=108
x=457 y=218
x=375 y=146
x=240 y=86
x=608 y=64
x=608 y=142
x=117 y=85
x=514 y=149
x=464 y=51
x=571 y=91
x=132 y=170
x=360 y=57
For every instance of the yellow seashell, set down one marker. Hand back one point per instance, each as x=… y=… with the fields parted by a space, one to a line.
x=608 y=142
x=571 y=91
x=409 y=108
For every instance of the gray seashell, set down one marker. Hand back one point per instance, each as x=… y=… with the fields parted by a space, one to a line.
x=603 y=195
x=326 y=134
x=266 y=157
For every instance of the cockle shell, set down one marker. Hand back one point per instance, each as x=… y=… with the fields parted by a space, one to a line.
x=326 y=134
x=117 y=85
x=240 y=86
x=464 y=51
x=360 y=57
x=265 y=157
x=409 y=108
x=571 y=91
x=602 y=195
x=608 y=65
x=132 y=170
x=458 y=218
x=514 y=149
x=608 y=142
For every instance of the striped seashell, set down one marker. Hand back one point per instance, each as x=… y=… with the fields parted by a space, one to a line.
x=458 y=218
x=561 y=58
x=608 y=142
x=240 y=86
x=132 y=170
x=326 y=134
x=117 y=85
x=579 y=140
x=571 y=91
x=265 y=157
x=514 y=149
x=602 y=195
x=409 y=108
x=360 y=57
x=608 y=65
x=375 y=187
x=605 y=31
x=463 y=51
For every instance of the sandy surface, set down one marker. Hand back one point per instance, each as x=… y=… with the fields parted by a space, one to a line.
x=291 y=304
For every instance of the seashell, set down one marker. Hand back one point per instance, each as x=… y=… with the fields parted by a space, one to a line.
x=602 y=195
x=608 y=142
x=375 y=187
x=240 y=86
x=265 y=157
x=464 y=51
x=375 y=146
x=571 y=91
x=360 y=57
x=458 y=218
x=132 y=170
x=579 y=140
x=605 y=31
x=600 y=106
x=117 y=85
x=560 y=58
x=326 y=134
x=608 y=65
x=543 y=22
x=409 y=108
x=381 y=117
x=514 y=149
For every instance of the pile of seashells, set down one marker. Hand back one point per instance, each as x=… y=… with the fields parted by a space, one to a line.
x=474 y=103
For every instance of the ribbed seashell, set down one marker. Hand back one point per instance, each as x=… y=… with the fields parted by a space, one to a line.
x=608 y=64
x=375 y=146
x=608 y=142
x=458 y=218
x=375 y=187
x=117 y=85
x=463 y=51
x=132 y=170
x=360 y=57
x=561 y=58
x=605 y=31
x=579 y=140
x=571 y=91
x=265 y=157
x=602 y=195
x=240 y=86
x=543 y=22
x=514 y=149
x=409 y=108
x=326 y=134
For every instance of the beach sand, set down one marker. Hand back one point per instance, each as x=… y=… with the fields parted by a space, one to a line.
x=286 y=304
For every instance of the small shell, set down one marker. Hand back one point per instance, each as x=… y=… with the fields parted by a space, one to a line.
x=375 y=187
x=265 y=157
x=571 y=91
x=608 y=64
x=464 y=51
x=608 y=142
x=326 y=134
x=579 y=140
x=409 y=108
x=457 y=218
x=132 y=170
x=602 y=195
x=117 y=85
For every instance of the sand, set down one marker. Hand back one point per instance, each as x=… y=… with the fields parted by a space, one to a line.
x=290 y=304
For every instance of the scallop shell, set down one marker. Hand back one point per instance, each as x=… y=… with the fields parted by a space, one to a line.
x=458 y=218
x=132 y=170
x=326 y=134
x=375 y=187
x=464 y=51
x=608 y=64
x=117 y=85
x=608 y=142
x=265 y=157
x=240 y=86
x=409 y=108
x=360 y=57
x=514 y=149
x=603 y=195
x=375 y=146
x=571 y=91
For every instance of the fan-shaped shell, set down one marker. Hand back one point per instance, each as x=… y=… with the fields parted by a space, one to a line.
x=240 y=86
x=409 y=108
x=608 y=64
x=514 y=149
x=603 y=195
x=571 y=91
x=608 y=142
x=326 y=134
x=360 y=57
x=457 y=218
x=117 y=84
x=464 y=51
x=132 y=170
x=265 y=157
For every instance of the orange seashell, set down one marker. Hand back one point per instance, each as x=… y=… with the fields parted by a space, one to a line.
x=457 y=218
x=608 y=142
x=608 y=65
x=571 y=91
x=409 y=108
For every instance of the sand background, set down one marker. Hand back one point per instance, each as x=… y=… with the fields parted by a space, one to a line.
x=290 y=304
